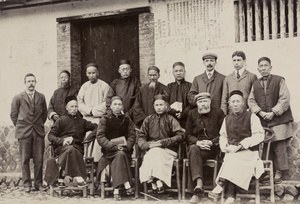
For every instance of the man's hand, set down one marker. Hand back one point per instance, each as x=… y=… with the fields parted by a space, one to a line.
x=178 y=115
x=67 y=141
x=204 y=144
x=269 y=116
x=55 y=117
x=233 y=148
x=155 y=144
x=262 y=114
x=121 y=147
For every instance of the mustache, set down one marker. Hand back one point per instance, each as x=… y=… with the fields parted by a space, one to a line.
x=209 y=65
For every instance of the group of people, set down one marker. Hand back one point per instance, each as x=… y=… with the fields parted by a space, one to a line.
x=211 y=114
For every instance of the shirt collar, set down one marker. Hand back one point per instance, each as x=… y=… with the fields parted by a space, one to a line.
x=28 y=93
x=241 y=71
x=211 y=72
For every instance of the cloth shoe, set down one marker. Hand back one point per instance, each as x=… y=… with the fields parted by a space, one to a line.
x=229 y=200
x=195 y=199
x=278 y=177
x=27 y=189
x=129 y=191
x=198 y=190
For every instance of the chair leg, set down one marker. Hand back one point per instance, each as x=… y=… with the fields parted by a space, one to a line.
x=51 y=191
x=92 y=181
x=178 y=180
x=257 y=193
x=272 y=193
x=222 y=197
x=184 y=179
x=215 y=173
x=84 y=192
x=145 y=190
x=136 y=177
x=102 y=190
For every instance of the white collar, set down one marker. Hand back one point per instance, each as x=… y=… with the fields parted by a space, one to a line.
x=211 y=72
x=30 y=93
x=241 y=71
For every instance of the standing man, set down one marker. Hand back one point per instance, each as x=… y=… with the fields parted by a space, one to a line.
x=126 y=86
x=270 y=101
x=28 y=114
x=210 y=81
x=92 y=98
x=177 y=94
x=241 y=79
x=202 y=133
x=143 y=105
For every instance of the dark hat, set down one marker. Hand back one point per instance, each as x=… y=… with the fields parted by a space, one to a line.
x=264 y=59
x=178 y=64
x=116 y=98
x=70 y=98
x=154 y=68
x=209 y=56
x=201 y=96
x=234 y=92
x=124 y=61
x=91 y=65
x=159 y=97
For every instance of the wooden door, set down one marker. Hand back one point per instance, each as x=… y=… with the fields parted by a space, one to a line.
x=105 y=41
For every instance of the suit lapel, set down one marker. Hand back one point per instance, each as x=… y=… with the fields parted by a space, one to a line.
x=244 y=74
x=25 y=97
x=36 y=97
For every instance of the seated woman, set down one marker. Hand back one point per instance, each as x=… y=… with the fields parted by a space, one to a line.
x=240 y=135
x=159 y=136
x=116 y=135
x=66 y=136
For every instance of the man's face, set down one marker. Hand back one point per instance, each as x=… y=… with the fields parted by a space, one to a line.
x=203 y=105
x=64 y=79
x=153 y=76
x=179 y=72
x=236 y=103
x=264 y=68
x=160 y=106
x=92 y=74
x=30 y=83
x=116 y=106
x=209 y=64
x=238 y=62
x=72 y=107
x=124 y=71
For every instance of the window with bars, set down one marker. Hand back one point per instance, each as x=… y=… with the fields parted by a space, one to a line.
x=257 y=20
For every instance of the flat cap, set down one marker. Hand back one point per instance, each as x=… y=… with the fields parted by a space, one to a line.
x=124 y=61
x=236 y=92
x=209 y=55
x=201 y=96
x=70 y=98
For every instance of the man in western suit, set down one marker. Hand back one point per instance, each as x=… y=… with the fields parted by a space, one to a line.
x=28 y=114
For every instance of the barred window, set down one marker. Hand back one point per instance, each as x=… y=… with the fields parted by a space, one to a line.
x=257 y=20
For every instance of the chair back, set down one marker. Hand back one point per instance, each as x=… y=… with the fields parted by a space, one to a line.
x=269 y=134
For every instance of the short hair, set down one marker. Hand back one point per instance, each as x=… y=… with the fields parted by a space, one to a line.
x=178 y=64
x=264 y=59
x=154 y=68
x=65 y=71
x=91 y=65
x=28 y=75
x=239 y=54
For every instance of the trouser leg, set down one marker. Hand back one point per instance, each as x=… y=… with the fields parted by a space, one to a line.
x=280 y=156
x=25 y=148
x=38 y=156
x=231 y=189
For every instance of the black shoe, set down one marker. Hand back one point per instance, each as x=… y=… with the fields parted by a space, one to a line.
x=278 y=177
x=117 y=197
x=41 y=188
x=27 y=189
x=129 y=191
x=198 y=190
x=160 y=190
x=61 y=184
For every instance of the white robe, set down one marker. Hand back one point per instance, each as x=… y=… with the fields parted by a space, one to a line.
x=239 y=167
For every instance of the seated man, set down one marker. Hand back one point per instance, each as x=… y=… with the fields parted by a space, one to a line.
x=202 y=132
x=159 y=136
x=241 y=133
x=116 y=135
x=66 y=136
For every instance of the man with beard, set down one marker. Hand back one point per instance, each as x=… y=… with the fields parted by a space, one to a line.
x=143 y=105
x=270 y=101
x=210 y=81
x=126 y=86
x=177 y=94
x=202 y=133
x=241 y=79
x=28 y=114
x=56 y=105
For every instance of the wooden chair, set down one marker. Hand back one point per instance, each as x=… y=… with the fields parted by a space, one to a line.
x=212 y=163
x=176 y=165
x=268 y=168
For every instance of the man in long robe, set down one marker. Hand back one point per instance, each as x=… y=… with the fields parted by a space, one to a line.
x=159 y=137
x=202 y=133
x=67 y=135
x=270 y=101
x=240 y=135
x=92 y=100
x=177 y=94
x=126 y=86
x=210 y=81
x=143 y=105
x=115 y=127
x=241 y=79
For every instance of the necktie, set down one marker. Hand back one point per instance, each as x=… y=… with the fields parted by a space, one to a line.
x=209 y=75
x=30 y=96
x=237 y=74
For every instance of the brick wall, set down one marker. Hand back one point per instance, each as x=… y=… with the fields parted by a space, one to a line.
x=75 y=56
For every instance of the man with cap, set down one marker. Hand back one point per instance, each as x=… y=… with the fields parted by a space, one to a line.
x=159 y=137
x=92 y=100
x=241 y=79
x=240 y=135
x=270 y=101
x=28 y=114
x=67 y=135
x=116 y=135
x=202 y=133
x=126 y=86
x=143 y=105
x=177 y=94
x=210 y=81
